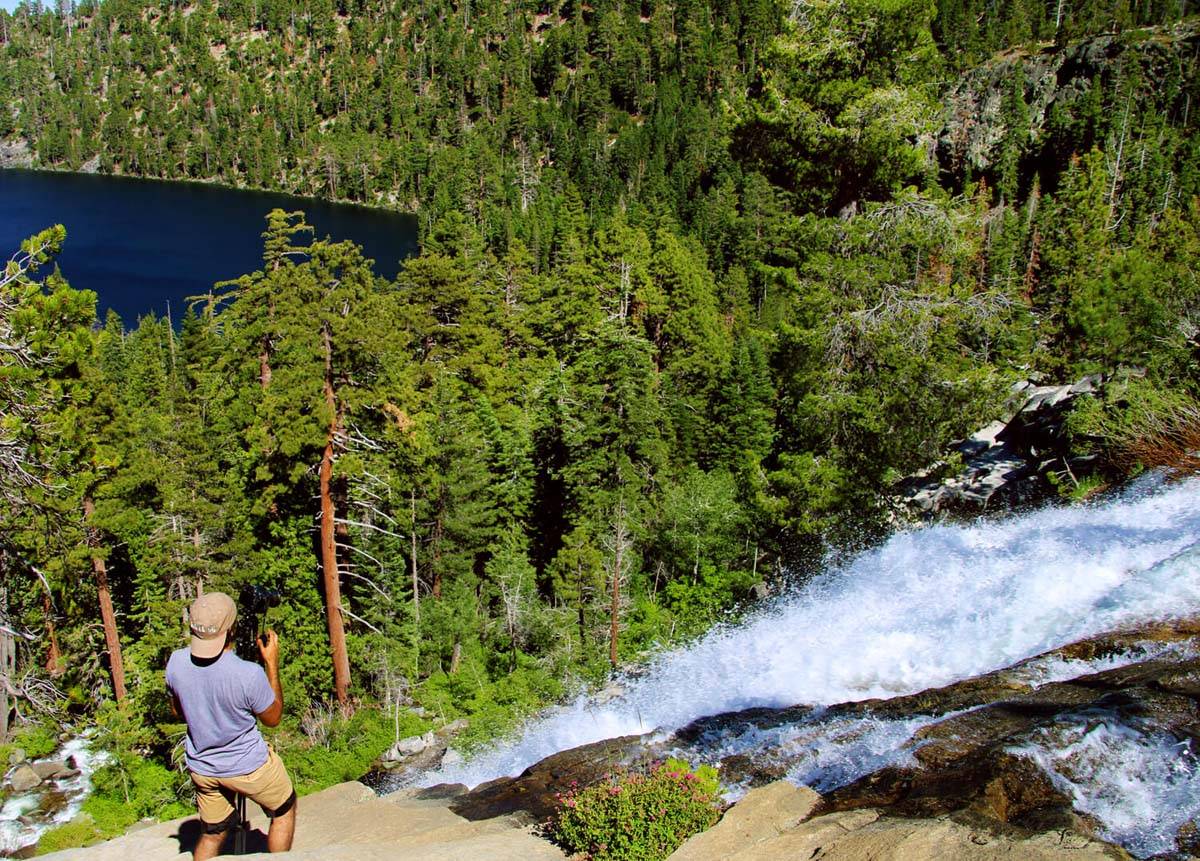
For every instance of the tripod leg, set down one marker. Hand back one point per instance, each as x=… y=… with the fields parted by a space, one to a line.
x=239 y=834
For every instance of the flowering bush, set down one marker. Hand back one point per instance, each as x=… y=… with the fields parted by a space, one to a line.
x=638 y=816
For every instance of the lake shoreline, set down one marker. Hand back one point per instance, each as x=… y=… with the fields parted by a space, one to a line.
x=19 y=155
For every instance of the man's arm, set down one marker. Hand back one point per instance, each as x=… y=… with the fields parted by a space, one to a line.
x=268 y=647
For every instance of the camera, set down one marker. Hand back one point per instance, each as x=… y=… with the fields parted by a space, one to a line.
x=253 y=603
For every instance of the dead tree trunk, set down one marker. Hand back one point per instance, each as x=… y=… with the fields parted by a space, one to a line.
x=107 y=615
x=416 y=583
x=620 y=547
x=8 y=668
x=53 y=652
x=329 y=558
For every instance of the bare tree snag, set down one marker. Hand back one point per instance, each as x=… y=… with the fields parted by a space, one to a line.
x=329 y=558
x=108 y=616
x=416 y=583
x=620 y=546
x=8 y=668
x=53 y=652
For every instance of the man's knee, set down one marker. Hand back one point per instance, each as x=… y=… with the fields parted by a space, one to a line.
x=219 y=829
x=288 y=807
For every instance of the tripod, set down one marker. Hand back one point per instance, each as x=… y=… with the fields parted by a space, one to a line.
x=242 y=827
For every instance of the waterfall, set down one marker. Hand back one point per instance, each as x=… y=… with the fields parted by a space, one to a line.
x=926 y=608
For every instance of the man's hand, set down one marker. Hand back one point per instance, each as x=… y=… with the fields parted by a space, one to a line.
x=268 y=647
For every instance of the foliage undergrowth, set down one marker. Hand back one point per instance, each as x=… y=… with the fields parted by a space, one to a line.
x=1143 y=426
x=638 y=816
x=330 y=747
x=36 y=740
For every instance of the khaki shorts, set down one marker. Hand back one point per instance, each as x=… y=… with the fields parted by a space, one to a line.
x=268 y=786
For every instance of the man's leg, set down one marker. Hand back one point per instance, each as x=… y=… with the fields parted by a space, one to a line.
x=208 y=846
x=217 y=816
x=283 y=828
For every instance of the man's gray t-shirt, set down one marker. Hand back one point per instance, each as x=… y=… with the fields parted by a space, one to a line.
x=220 y=701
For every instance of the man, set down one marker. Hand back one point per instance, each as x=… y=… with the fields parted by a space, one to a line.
x=220 y=696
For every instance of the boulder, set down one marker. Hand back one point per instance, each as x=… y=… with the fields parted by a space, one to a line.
x=16 y=757
x=23 y=779
x=54 y=769
x=50 y=804
x=408 y=746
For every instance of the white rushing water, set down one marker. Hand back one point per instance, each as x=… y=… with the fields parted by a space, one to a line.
x=1141 y=784
x=21 y=824
x=926 y=608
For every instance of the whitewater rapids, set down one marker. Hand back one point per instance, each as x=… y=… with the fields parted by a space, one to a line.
x=928 y=607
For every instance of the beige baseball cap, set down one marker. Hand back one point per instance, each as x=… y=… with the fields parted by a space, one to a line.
x=211 y=616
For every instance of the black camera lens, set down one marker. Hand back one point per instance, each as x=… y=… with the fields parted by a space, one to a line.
x=256 y=600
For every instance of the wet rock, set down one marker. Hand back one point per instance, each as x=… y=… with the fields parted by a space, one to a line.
x=16 y=757
x=1188 y=839
x=24 y=779
x=965 y=763
x=608 y=693
x=50 y=804
x=533 y=791
x=743 y=770
x=54 y=770
x=439 y=792
x=451 y=759
x=406 y=747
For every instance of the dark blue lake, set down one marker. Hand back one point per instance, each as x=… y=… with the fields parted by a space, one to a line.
x=141 y=244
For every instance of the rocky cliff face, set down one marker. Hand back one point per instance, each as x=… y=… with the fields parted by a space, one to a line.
x=15 y=154
x=1015 y=461
x=973 y=125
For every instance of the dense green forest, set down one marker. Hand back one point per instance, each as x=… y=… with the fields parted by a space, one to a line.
x=699 y=282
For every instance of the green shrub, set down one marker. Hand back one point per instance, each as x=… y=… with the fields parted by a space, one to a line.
x=80 y=831
x=36 y=740
x=638 y=816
